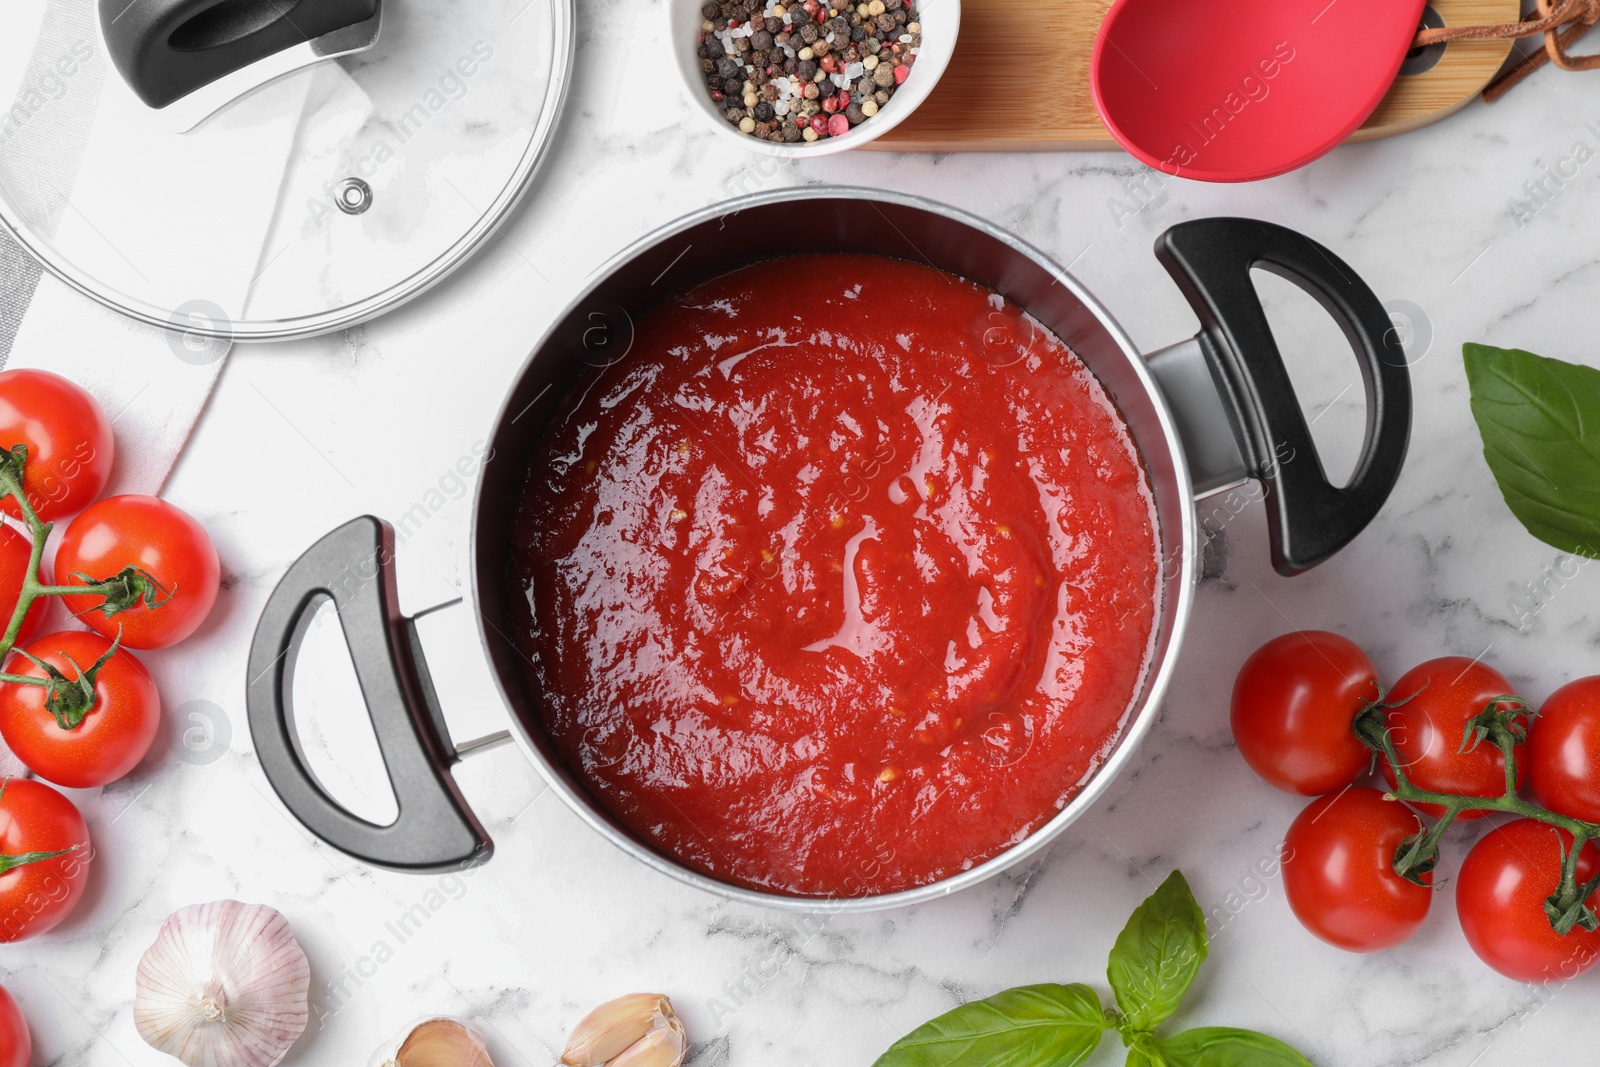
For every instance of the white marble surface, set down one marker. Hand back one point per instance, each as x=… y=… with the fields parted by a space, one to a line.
x=302 y=436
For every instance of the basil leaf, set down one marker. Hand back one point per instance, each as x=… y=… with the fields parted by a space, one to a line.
x=1031 y=1026
x=1223 y=1046
x=1158 y=954
x=1141 y=1056
x=1540 y=423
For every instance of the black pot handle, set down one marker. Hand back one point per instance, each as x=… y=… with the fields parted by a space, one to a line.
x=354 y=566
x=1211 y=260
x=166 y=49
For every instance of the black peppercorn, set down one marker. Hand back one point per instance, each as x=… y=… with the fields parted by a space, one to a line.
x=760 y=62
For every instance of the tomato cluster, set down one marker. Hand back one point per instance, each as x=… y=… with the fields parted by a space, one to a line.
x=1310 y=717
x=76 y=706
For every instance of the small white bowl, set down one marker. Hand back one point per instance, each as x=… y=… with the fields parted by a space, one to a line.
x=941 y=24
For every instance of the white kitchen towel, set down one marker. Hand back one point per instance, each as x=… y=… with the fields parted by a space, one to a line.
x=19 y=276
x=77 y=152
x=151 y=385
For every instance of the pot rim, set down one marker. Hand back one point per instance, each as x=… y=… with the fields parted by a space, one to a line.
x=1140 y=716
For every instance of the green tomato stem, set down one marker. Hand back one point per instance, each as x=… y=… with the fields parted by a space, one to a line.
x=1569 y=867
x=12 y=465
x=9 y=863
x=39 y=533
x=1372 y=727
x=63 y=590
x=1373 y=731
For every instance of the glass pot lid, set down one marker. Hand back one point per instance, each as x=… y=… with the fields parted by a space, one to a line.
x=309 y=203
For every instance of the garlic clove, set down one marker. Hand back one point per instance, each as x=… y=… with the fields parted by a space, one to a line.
x=436 y=1042
x=614 y=1026
x=224 y=985
x=661 y=1047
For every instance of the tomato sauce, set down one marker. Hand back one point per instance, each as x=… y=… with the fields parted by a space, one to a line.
x=839 y=583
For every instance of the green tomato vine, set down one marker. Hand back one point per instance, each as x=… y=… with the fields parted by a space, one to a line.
x=68 y=700
x=1503 y=724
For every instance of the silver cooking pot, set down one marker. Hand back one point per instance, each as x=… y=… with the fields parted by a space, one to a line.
x=1206 y=415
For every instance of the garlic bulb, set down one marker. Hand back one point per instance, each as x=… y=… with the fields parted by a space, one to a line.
x=224 y=985
x=638 y=1030
x=435 y=1042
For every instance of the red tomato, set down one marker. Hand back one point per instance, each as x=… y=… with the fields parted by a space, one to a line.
x=162 y=540
x=1563 y=751
x=16 y=1046
x=14 y=552
x=112 y=738
x=68 y=438
x=35 y=896
x=1338 y=871
x=1500 y=895
x=1293 y=703
x=1432 y=705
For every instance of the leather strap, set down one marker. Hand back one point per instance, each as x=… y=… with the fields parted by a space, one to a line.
x=1562 y=22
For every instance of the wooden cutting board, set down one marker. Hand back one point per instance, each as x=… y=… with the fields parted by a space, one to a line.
x=997 y=95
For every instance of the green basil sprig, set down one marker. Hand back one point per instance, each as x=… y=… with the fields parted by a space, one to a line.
x=1153 y=963
x=1158 y=954
x=1540 y=423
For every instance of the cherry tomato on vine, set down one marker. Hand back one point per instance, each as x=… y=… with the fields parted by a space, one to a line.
x=41 y=890
x=69 y=442
x=163 y=542
x=1500 y=895
x=112 y=737
x=1430 y=707
x=16 y=1046
x=1338 y=871
x=15 y=550
x=1293 y=703
x=1563 y=751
